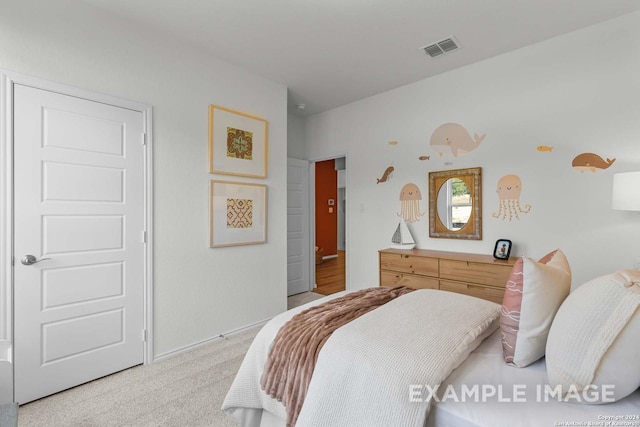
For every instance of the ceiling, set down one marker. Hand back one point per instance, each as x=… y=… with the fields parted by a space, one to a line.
x=333 y=52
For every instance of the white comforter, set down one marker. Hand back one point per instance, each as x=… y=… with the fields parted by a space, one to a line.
x=369 y=370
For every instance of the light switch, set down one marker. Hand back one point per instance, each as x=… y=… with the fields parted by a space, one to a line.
x=330 y=209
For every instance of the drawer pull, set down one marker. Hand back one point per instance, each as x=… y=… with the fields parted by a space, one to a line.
x=482 y=288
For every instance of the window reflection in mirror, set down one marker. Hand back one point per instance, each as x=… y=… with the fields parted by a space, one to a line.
x=454 y=204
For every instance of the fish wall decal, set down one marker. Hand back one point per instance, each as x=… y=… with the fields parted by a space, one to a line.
x=456 y=138
x=544 y=148
x=591 y=162
x=385 y=175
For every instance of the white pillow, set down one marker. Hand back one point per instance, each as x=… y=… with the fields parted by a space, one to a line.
x=533 y=294
x=594 y=340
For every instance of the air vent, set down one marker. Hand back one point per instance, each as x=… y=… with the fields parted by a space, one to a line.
x=441 y=47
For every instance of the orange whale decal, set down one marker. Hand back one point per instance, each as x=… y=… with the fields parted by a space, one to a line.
x=385 y=175
x=591 y=162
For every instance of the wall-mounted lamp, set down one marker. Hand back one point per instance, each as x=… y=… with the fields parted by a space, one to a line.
x=626 y=191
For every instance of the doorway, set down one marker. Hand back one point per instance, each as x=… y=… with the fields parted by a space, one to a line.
x=330 y=225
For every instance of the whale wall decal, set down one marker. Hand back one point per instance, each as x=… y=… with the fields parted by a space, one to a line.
x=385 y=175
x=591 y=162
x=454 y=137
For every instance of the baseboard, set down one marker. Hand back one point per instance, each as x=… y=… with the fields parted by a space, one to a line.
x=193 y=346
x=330 y=256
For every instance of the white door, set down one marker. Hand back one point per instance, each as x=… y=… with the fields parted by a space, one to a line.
x=79 y=211
x=298 y=245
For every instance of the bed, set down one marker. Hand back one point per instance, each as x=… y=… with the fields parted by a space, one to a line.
x=485 y=365
x=387 y=387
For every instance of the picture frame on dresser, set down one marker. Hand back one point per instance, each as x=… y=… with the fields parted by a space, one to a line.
x=502 y=250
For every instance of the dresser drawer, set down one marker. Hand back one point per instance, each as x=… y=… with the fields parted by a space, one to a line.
x=392 y=278
x=480 y=291
x=492 y=274
x=407 y=263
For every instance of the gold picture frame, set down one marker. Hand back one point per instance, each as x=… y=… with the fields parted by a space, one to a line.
x=237 y=213
x=238 y=143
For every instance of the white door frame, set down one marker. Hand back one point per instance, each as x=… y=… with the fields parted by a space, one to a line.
x=7 y=81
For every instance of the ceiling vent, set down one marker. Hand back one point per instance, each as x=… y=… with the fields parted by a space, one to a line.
x=441 y=47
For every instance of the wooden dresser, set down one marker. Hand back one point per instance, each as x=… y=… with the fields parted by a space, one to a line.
x=477 y=275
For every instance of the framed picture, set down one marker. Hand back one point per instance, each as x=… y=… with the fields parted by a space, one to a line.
x=237 y=143
x=237 y=213
x=502 y=249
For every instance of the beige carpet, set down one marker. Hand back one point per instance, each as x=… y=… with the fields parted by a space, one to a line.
x=303 y=298
x=184 y=390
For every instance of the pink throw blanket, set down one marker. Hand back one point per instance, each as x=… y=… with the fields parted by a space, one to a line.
x=295 y=349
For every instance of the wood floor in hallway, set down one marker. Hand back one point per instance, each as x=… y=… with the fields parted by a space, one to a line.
x=330 y=275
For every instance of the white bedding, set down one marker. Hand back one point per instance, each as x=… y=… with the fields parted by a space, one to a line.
x=486 y=366
x=364 y=373
x=483 y=366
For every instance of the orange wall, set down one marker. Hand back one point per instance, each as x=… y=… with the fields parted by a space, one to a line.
x=326 y=222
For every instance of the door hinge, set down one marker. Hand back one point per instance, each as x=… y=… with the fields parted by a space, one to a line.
x=144 y=335
x=144 y=237
x=144 y=138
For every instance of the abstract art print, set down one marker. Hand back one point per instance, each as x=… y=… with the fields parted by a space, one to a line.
x=237 y=143
x=237 y=213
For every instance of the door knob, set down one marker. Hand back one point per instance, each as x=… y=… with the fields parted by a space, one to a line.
x=30 y=260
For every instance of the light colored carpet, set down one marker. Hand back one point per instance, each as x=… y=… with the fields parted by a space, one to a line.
x=184 y=390
x=303 y=298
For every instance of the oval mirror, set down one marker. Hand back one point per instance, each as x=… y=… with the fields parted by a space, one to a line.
x=455 y=204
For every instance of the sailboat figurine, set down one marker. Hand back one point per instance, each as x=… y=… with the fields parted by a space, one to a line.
x=402 y=238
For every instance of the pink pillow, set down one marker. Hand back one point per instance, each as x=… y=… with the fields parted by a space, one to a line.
x=532 y=296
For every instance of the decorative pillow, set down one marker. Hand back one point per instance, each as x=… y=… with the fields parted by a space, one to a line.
x=592 y=350
x=533 y=294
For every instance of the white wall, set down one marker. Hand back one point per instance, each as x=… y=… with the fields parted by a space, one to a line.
x=578 y=93
x=295 y=137
x=199 y=292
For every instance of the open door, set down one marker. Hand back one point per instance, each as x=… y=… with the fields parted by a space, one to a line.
x=298 y=235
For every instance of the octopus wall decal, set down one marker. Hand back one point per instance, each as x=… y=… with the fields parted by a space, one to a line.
x=410 y=197
x=509 y=189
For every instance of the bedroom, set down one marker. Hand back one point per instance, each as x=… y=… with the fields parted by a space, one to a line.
x=577 y=93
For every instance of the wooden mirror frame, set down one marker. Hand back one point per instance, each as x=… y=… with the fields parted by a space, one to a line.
x=472 y=177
